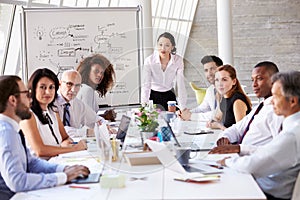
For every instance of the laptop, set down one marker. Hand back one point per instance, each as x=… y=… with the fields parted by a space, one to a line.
x=169 y=161
x=194 y=146
x=123 y=127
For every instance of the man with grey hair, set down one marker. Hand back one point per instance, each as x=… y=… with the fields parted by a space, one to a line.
x=78 y=118
x=276 y=165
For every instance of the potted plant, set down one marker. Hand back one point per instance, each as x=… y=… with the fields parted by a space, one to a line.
x=146 y=119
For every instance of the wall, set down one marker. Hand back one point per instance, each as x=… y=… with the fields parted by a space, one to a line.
x=262 y=30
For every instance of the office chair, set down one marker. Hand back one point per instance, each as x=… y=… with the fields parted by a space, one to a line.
x=199 y=92
x=296 y=192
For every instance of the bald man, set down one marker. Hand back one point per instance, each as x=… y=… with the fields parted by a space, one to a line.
x=79 y=119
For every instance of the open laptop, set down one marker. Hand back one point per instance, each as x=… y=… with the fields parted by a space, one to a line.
x=194 y=146
x=123 y=127
x=169 y=161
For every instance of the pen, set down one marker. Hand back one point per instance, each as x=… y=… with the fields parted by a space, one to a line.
x=80 y=187
x=217 y=166
x=74 y=142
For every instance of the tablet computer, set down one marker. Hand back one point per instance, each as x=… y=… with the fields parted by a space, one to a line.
x=92 y=178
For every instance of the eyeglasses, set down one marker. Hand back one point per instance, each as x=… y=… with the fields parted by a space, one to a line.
x=70 y=84
x=27 y=92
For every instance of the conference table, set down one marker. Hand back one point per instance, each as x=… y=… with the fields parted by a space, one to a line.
x=151 y=181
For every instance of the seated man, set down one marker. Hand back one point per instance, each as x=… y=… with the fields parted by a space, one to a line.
x=206 y=109
x=20 y=171
x=261 y=124
x=78 y=118
x=276 y=165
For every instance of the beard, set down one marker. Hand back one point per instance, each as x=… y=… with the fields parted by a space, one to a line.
x=23 y=111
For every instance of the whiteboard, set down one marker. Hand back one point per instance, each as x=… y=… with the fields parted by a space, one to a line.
x=59 y=38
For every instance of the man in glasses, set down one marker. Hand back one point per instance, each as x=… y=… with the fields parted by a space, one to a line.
x=21 y=171
x=78 y=118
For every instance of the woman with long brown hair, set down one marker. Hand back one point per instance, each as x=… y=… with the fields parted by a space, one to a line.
x=234 y=104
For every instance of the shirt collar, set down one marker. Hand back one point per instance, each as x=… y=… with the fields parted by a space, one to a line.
x=13 y=122
x=60 y=100
x=157 y=59
x=291 y=120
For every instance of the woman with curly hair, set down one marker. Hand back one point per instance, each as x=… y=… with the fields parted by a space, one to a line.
x=97 y=75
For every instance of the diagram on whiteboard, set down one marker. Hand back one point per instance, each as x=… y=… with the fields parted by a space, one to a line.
x=60 y=39
x=72 y=42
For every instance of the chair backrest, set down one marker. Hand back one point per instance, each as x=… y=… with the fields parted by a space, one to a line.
x=199 y=92
x=296 y=192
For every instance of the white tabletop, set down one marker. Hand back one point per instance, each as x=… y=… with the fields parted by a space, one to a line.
x=151 y=181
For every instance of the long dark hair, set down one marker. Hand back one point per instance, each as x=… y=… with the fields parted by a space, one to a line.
x=32 y=84
x=107 y=82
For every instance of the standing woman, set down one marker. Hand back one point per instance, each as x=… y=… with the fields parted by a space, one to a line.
x=97 y=75
x=44 y=131
x=234 y=104
x=161 y=70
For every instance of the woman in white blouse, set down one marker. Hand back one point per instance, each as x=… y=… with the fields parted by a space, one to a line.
x=161 y=71
x=97 y=75
x=44 y=131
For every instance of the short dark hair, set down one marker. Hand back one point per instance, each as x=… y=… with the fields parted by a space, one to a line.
x=269 y=66
x=212 y=58
x=290 y=82
x=8 y=86
x=172 y=40
x=32 y=85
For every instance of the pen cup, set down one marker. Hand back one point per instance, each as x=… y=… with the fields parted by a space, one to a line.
x=115 y=145
x=183 y=155
x=166 y=133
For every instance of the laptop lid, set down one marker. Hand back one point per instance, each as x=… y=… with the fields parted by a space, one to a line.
x=123 y=127
x=169 y=161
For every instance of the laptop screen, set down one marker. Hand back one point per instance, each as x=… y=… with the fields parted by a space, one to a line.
x=123 y=127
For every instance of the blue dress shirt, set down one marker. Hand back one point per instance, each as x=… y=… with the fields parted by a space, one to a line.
x=13 y=175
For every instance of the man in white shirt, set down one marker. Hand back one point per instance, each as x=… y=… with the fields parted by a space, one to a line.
x=276 y=165
x=205 y=110
x=82 y=118
x=259 y=126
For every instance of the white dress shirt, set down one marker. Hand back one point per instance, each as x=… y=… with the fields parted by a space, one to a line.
x=275 y=165
x=205 y=111
x=158 y=80
x=262 y=130
x=82 y=116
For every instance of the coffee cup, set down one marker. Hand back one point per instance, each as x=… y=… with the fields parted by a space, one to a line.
x=172 y=106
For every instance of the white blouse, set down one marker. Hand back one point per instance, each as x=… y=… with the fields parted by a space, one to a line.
x=156 y=79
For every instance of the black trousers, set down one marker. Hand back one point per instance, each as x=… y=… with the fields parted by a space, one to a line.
x=270 y=197
x=161 y=98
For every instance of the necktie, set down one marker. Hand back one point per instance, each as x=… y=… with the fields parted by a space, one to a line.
x=280 y=128
x=49 y=121
x=24 y=146
x=215 y=92
x=66 y=116
x=249 y=123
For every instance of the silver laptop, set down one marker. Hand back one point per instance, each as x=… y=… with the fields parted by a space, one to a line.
x=169 y=161
x=194 y=146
